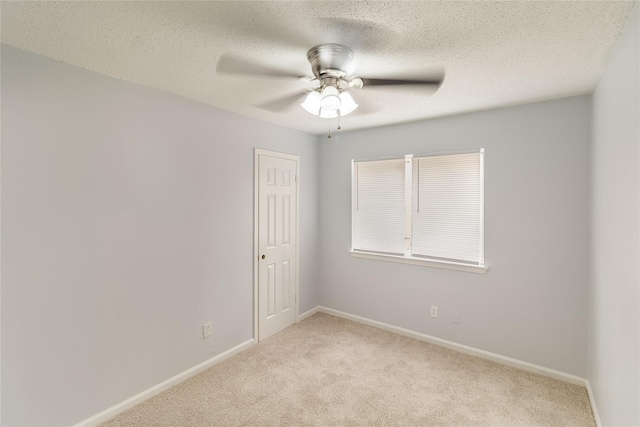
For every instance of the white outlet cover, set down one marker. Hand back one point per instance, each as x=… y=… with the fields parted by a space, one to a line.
x=207 y=330
x=434 y=311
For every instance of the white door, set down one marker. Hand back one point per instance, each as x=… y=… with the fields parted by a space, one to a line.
x=277 y=218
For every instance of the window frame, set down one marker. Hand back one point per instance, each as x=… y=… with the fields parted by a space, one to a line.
x=408 y=257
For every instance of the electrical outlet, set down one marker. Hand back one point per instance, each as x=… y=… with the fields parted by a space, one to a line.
x=434 y=311
x=455 y=316
x=207 y=329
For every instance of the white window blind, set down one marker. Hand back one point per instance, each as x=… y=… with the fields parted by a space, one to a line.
x=378 y=210
x=447 y=207
x=427 y=207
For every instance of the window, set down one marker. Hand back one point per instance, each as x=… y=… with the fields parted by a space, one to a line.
x=420 y=210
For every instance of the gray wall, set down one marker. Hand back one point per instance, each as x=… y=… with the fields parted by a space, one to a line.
x=127 y=222
x=614 y=320
x=532 y=303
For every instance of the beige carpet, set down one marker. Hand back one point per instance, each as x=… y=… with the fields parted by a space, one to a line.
x=327 y=371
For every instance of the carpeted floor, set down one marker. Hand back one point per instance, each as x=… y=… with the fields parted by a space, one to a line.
x=327 y=371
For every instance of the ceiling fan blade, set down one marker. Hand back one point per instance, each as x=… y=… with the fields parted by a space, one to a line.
x=282 y=104
x=230 y=64
x=401 y=82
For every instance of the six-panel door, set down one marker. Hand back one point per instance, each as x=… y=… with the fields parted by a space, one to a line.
x=277 y=215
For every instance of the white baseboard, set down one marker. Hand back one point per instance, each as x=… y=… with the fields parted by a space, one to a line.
x=308 y=313
x=515 y=363
x=594 y=409
x=150 y=392
x=526 y=366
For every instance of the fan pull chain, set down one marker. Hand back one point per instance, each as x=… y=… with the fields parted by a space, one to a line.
x=329 y=135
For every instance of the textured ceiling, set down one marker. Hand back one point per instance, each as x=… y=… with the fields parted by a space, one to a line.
x=494 y=53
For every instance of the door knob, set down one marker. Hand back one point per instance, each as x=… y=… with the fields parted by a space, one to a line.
x=263 y=256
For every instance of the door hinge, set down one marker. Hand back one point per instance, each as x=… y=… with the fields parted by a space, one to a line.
x=296 y=178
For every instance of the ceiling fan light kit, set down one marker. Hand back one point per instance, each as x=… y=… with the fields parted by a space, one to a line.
x=329 y=102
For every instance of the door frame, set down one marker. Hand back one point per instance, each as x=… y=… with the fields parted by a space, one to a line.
x=256 y=255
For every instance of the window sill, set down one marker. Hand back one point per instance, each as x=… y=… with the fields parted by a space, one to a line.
x=450 y=265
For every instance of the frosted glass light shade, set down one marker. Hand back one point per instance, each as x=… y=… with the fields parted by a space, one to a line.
x=312 y=103
x=326 y=114
x=330 y=99
x=347 y=104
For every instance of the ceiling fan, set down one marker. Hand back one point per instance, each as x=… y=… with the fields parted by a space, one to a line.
x=330 y=65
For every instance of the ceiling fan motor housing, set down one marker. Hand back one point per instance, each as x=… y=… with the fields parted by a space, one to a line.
x=329 y=60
